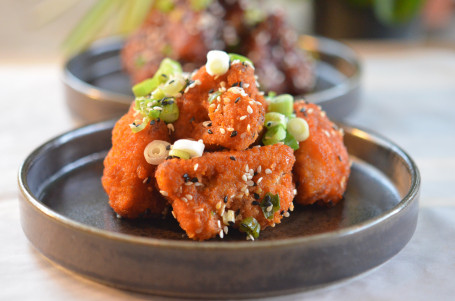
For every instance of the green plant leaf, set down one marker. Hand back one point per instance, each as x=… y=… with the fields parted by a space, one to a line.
x=393 y=12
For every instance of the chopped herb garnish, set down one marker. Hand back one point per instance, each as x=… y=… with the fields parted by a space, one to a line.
x=250 y=226
x=270 y=204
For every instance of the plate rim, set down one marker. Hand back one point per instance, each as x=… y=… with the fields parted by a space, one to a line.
x=405 y=201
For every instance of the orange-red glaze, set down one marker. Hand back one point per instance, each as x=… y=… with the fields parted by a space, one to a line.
x=218 y=176
x=126 y=171
x=322 y=163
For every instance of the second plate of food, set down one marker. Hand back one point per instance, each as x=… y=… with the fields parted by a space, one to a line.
x=97 y=88
x=66 y=216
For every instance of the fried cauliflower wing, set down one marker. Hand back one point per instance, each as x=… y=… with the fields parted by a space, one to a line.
x=233 y=119
x=204 y=190
x=128 y=179
x=322 y=164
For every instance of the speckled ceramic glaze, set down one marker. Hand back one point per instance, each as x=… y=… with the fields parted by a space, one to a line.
x=65 y=215
x=97 y=88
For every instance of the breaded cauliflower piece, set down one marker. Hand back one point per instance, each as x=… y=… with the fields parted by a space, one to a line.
x=233 y=119
x=128 y=179
x=204 y=190
x=322 y=164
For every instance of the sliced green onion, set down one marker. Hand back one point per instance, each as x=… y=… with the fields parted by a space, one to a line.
x=145 y=87
x=291 y=141
x=273 y=118
x=173 y=86
x=167 y=68
x=274 y=135
x=179 y=153
x=156 y=152
x=283 y=104
x=217 y=62
x=234 y=57
x=213 y=96
x=139 y=127
x=271 y=95
x=298 y=128
x=250 y=226
x=170 y=112
x=194 y=148
x=270 y=204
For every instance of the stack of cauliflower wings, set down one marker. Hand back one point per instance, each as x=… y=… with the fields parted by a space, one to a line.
x=219 y=153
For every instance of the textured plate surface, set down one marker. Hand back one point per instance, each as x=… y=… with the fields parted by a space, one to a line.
x=64 y=213
x=97 y=88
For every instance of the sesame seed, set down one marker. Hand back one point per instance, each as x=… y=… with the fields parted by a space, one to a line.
x=222 y=131
x=259 y=168
x=225 y=199
x=291 y=207
x=232 y=158
x=246 y=85
x=286 y=214
x=310 y=110
x=198 y=184
x=225 y=229
x=145 y=180
x=196 y=166
x=237 y=100
x=226 y=100
x=230 y=129
x=185 y=199
x=219 y=223
x=243 y=189
x=242 y=117
x=189 y=197
x=234 y=133
x=221 y=234
x=207 y=123
x=188 y=183
x=244 y=178
x=269 y=208
x=295 y=191
x=212 y=105
x=164 y=193
x=259 y=180
x=199 y=210
x=251 y=171
x=248 y=128
x=268 y=171
x=173 y=214
x=249 y=110
x=339 y=158
x=250 y=183
x=218 y=205
x=210 y=131
x=326 y=133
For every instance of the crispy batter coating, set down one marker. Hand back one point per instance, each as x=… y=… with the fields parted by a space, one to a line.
x=127 y=178
x=233 y=121
x=200 y=190
x=322 y=163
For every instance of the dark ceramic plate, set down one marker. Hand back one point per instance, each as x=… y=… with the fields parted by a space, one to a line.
x=65 y=215
x=97 y=88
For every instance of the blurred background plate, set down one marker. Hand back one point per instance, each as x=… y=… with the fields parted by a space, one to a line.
x=97 y=88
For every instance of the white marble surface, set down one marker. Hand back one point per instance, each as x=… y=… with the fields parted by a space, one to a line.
x=408 y=96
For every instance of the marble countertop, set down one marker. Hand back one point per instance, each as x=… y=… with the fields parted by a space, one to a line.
x=408 y=96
